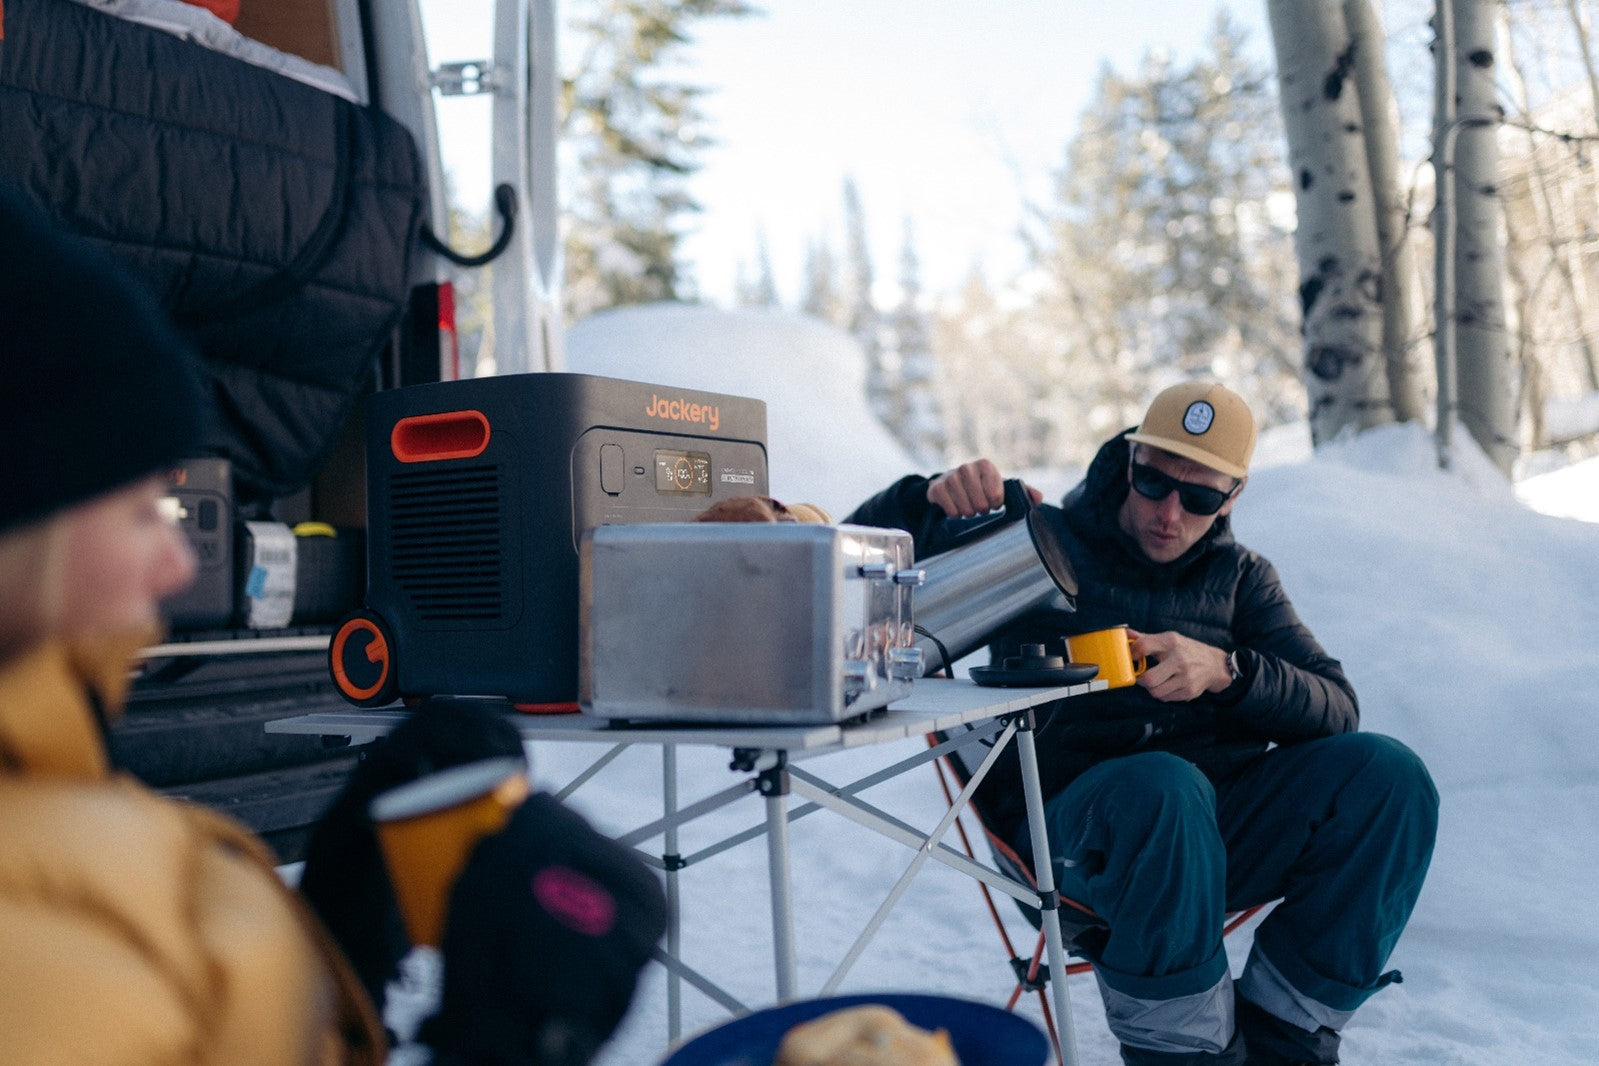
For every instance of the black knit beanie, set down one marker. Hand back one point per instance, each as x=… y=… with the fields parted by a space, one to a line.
x=96 y=389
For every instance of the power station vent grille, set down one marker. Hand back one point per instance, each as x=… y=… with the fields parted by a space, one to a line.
x=445 y=541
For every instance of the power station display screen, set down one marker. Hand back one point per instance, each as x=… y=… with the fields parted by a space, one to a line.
x=682 y=473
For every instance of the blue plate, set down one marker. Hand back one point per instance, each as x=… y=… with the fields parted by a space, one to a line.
x=983 y=1035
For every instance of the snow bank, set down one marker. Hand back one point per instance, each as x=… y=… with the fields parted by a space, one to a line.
x=1449 y=602
x=1568 y=492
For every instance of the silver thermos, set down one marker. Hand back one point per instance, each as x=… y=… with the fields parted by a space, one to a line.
x=988 y=571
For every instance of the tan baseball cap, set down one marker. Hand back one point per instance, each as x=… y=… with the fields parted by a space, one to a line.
x=1202 y=421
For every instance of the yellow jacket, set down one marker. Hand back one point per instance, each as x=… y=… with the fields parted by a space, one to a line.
x=136 y=929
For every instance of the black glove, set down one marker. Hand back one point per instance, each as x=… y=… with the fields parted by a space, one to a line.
x=344 y=879
x=549 y=926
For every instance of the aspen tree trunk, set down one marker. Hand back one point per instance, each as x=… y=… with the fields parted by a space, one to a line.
x=1566 y=259
x=1524 y=293
x=1580 y=25
x=1340 y=259
x=1406 y=349
x=1486 y=388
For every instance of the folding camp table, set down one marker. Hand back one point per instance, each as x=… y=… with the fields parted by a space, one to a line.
x=767 y=758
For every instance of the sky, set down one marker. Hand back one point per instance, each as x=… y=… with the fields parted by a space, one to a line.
x=1465 y=619
x=949 y=113
x=952 y=113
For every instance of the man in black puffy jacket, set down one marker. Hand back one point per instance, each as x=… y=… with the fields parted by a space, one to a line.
x=1230 y=774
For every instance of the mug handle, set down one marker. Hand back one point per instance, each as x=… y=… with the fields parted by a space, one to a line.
x=1141 y=663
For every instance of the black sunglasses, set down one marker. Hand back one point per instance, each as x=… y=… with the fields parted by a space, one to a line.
x=1195 y=499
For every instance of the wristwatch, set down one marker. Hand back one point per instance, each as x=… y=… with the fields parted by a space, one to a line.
x=1234 y=671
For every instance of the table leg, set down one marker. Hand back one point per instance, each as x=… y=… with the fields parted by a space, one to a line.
x=774 y=785
x=1044 y=874
x=674 y=924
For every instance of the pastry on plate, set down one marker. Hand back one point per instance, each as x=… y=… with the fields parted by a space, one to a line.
x=868 y=1035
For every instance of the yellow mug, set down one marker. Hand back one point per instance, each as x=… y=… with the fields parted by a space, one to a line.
x=1112 y=651
x=427 y=828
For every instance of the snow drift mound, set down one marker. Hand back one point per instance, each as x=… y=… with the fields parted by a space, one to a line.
x=1465 y=620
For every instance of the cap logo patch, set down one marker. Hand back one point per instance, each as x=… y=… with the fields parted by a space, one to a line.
x=1198 y=417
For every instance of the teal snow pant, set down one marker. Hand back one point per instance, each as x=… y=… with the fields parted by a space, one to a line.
x=1341 y=829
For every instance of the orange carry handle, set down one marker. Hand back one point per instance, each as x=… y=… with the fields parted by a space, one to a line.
x=448 y=435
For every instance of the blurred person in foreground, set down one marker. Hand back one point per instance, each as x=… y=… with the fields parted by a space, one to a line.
x=1230 y=774
x=137 y=929
x=132 y=928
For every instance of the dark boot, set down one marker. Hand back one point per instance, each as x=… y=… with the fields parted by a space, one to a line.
x=1273 y=1042
x=1232 y=1055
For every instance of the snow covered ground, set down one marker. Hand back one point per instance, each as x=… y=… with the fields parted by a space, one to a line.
x=1468 y=621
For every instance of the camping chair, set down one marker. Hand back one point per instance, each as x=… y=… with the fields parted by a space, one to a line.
x=1077 y=920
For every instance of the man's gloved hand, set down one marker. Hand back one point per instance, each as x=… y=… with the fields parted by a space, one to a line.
x=345 y=880
x=549 y=926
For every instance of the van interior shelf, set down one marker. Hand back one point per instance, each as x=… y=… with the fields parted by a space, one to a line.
x=241 y=645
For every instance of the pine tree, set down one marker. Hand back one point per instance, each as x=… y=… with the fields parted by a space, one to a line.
x=1165 y=252
x=637 y=137
x=861 y=318
x=760 y=290
x=1008 y=393
x=822 y=297
x=919 y=414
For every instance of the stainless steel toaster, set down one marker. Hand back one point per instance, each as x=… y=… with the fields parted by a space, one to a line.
x=747 y=623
